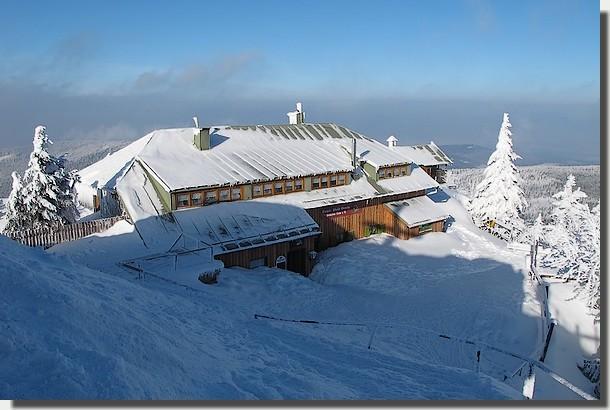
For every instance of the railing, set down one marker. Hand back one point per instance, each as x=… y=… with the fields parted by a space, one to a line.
x=47 y=237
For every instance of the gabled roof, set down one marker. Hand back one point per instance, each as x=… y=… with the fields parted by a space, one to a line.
x=425 y=154
x=417 y=211
x=244 y=154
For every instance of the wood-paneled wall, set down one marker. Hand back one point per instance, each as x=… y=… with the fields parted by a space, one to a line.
x=271 y=252
x=340 y=223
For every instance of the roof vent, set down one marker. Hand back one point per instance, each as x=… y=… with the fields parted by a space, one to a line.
x=298 y=116
x=392 y=141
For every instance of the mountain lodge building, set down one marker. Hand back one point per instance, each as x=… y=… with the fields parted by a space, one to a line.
x=268 y=195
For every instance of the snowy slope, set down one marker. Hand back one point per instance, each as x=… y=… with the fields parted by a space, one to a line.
x=71 y=332
x=463 y=282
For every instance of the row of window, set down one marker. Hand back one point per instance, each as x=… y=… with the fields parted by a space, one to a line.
x=277 y=187
x=208 y=197
x=286 y=186
x=392 y=172
x=327 y=181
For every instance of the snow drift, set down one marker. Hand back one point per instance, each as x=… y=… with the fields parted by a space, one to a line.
x=70 y=332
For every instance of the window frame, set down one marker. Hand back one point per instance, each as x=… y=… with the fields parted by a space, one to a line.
x=192 y=194
x=207 y=195
x=178 y=201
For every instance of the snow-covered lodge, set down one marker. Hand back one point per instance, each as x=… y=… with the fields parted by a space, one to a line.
x=268 y=194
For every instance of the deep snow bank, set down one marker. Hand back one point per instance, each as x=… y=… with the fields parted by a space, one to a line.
x=69 y=332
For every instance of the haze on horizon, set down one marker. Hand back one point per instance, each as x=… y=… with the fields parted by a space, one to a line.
x=437 y=70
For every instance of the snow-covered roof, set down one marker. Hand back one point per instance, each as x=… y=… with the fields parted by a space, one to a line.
x=417 y=211
x=138 y=195
x=238 y=225
x=243 y=154
x=418 y=180
x=222 y=227
x=425 y=154
x=357 y=190
x=106 y=171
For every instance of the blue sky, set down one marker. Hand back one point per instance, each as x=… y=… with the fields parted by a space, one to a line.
x=248 y=61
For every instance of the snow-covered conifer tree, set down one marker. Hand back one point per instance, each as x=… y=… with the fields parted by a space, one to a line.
x=570 y=235
x=591 y=279
x=49 y=194
x=16 y=214
x=499 y=201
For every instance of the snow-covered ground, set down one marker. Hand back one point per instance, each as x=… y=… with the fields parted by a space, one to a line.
x=576 y=336
x=72 y=332
x=105 y=332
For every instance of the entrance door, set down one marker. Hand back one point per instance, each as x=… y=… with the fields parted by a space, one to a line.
x=297 y=261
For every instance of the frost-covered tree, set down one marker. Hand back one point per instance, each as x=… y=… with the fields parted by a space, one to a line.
x=17 y=217
x=49 y=194
x=570 y=235
x=499 y=201
x=591 y=280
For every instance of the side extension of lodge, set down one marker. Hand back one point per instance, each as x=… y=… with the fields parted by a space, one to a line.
x=268 y=195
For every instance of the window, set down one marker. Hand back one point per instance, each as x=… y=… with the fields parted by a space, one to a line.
x=183 y=200
x=196 y=199
x=257 y=190
x=255 y=263
x=298 y=185
x=425 y=228
x=210 y=197
x=315 y=183
x=225 y=195
x=396 y=171
x=403 y=171
x=268 y=189
x=381 y=173
x=341 y=179
x=333 y=180
x=324 y=182
x=388 y=173
x=279 y=188
x=235 y=194
x=289 y=186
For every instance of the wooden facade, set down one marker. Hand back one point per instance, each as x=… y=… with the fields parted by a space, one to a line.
x=295 y=253
x=359 y=219
x=437 y=172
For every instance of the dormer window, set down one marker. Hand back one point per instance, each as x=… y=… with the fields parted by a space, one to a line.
x=324 y=183
x=341 y=179
x=289 y=186
x=235 y=194
x=196 y=199
x=279 y=188
x=224 y=195
x=298 y=185
x=257 y=190
x=267 y=189
x=210 y=197
x=333 y=180
x=183 y=200
x=393 y=172
x=315 y=182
